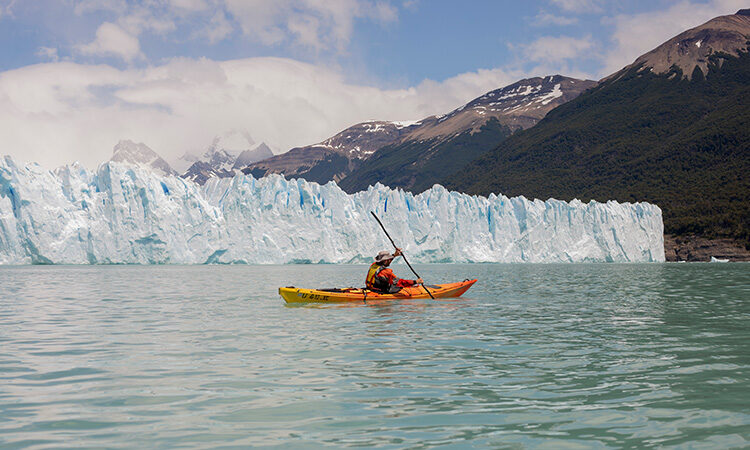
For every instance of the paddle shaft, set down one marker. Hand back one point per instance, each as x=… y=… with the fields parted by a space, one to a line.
x=402 y=254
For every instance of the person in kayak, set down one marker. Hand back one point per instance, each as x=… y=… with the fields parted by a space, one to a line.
x=382 y=279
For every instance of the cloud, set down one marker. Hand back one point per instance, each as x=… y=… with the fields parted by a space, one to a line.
x=146 y=20
x=121 y=38
x=112 y=40
x=578 y=6
x=7 y=8
x=411 y=4
x=316 y=24
x=637 y=34
x=190 y=5
x=56 y=113
x=88 y=6
x=551 y=49
x=323 y=26
x=218 y=29
x=384 y=12
x=544 y=19
x=48 y=53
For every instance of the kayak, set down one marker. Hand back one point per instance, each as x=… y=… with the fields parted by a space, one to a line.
x=292 y=294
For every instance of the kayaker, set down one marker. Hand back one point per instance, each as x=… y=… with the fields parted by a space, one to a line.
x=382 y=279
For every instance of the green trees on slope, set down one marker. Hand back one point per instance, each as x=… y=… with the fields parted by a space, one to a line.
x=418 y=165
x=683 y=145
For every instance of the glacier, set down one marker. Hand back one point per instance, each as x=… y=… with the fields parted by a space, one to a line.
x=126 y=214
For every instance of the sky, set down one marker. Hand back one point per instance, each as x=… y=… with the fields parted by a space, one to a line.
x=77 y=76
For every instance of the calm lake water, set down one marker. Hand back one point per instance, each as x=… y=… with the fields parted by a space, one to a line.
x=587 y=356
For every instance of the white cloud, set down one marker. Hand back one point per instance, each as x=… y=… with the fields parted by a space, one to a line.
x=544 y=18
x=6 y=9
x=48 y=53
x=553 y=49
x=411 y=4
x=112 y=40
x=190 y=5
x=316 y=24
x=323 y=26
x=218 y=29
x=637 y=34
x=120 y=38
x=578 y=6
x=89 y=6
x=384 y=12
x=60 y=112
x=143 y=19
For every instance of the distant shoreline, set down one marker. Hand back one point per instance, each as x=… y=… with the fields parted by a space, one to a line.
x=697 y=248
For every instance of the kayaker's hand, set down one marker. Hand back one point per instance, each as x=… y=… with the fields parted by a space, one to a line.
x=398 y=252
x=420 y=281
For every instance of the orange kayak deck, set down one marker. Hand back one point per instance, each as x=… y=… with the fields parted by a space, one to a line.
x=297 y=295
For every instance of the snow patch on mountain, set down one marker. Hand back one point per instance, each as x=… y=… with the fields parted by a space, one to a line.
x=555 y=93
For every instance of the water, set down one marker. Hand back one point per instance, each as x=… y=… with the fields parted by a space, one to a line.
x=535 y=355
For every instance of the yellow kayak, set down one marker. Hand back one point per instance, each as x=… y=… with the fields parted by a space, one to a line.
x=296 y=295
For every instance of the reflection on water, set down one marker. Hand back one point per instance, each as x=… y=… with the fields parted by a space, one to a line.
x=556 y=355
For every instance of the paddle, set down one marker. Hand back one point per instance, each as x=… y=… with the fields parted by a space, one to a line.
x=402 y=254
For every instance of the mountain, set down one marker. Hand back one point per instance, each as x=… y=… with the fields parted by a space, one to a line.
x=335 y=157
x=183 y=163
x=517 y=106
x=248 y=157
x=678 y=137
x=216 y=162
x=690 y=51
x=202 y=171
x=439 y=146
x=140 y=155
x=224 y=157
x=415 y=155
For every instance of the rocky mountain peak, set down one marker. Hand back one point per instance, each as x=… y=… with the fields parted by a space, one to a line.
x=247 y=157
x=335 y=157
x=518 y=106
x=217 y=156
x=363 y=139
x=227 y=153
x=530 y=96
x=727 y=35
x=140 y=154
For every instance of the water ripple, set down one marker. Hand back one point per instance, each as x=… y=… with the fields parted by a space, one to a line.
x=592 y=356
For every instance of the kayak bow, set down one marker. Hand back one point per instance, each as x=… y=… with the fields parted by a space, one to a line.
x=297 y=295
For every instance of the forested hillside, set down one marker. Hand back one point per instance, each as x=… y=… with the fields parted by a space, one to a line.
x=681 y=143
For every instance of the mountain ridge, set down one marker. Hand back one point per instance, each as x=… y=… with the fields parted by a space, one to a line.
x=664 y=138
x=332 y=158
x=691 y=49
x=219 y=162
x=442 y=145
x=347 y=157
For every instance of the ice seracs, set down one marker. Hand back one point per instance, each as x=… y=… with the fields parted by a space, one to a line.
x=125 y=213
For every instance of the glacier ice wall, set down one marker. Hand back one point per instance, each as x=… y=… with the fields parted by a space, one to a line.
x=127 y=214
